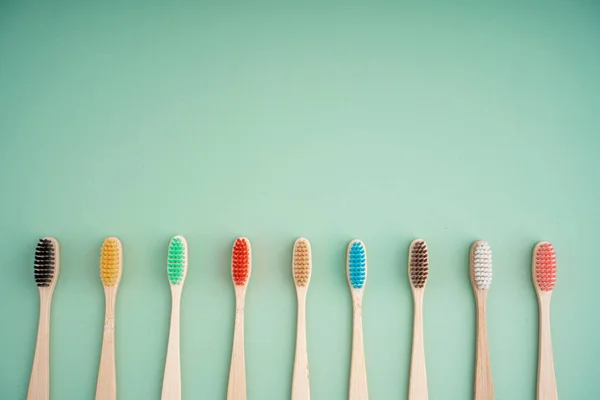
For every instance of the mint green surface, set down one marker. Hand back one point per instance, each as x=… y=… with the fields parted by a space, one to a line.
x=452 y=122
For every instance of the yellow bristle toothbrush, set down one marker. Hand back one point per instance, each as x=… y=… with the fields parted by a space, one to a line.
x=177 y=261
x=111 y=266
x=45 y=272
x=301 y=270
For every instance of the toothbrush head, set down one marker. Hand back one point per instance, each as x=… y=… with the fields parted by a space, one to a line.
x=481 y=265
x=418 y=264
x=177 y=260
x=356 y=264
x=544 y=266
x=46 y=262
x=302 y=262
x=241 y=262
x=111 y=261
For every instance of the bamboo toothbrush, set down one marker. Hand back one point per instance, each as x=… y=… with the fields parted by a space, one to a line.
x=356 y=266
x=45 y=272
x=480 y=267
x=177 y=261
x=111 y=267
x=544 y=278
x=418 y=270
x=301 y=269
x=241 y=267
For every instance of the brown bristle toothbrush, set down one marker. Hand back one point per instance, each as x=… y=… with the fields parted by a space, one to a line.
x=418 y=271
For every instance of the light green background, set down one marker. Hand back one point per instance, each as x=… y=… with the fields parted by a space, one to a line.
x=332 y=121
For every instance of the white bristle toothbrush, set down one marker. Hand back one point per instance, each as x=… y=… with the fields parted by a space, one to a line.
x=356 y=267
x=301 y=270
x=544 y=278
x=177 y=262
x=45 y=272
x=480 y=267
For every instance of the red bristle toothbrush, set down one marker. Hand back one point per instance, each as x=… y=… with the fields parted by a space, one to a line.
x=241 y=266
x=544 y=278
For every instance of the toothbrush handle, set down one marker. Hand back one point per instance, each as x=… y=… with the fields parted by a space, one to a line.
x=39 y=384
x=546 y=388
x=358 y=369
x=484 y=386
x=417 y=389
x=236 y=389
x=171 y=389
x=300 y=381
x=106 y=388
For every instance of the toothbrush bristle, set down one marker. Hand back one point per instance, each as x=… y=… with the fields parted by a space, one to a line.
x=44 y=263
x=177 y=260
x=482 y=265
x=545 y=266
x=357 y=264
x=110 y=261
x=419 y=263
x=241 y=262
x=302 y=262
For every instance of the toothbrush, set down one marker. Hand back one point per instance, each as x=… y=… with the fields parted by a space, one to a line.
x=45 y=272
x=177 y=261
x=480 y=261
x=418 y=270
x=301 y=269
x=544 y=278
x=241 y=267
x=111 y=267
x=356 y=266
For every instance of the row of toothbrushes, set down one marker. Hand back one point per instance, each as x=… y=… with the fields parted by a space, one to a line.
x=46 y=269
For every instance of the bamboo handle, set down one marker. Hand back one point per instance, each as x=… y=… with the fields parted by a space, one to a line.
x=358 y=369
x=106 y=388
x=236 y=389
x=172 y=379
x=546 y=389
x=301 y=381
x=417 y=389
x=484 y=386
x=39 y=384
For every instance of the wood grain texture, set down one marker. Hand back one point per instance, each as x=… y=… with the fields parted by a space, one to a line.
x=236 y=389
x=417 y=388
x=301 y=376
x=39 y=384
x=483 y=384
x=546 y=384
x=106 y=388
x=171 y=389
x=358 y=370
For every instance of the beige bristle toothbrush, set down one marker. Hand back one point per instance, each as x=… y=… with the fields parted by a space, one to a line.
x=544 y=278
x=111 y=267
x=301 y=270
x=45 y=273
x=480 y=267
x=356 y=267
x=241 y=267
x=418 y=271
x=177 y=262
